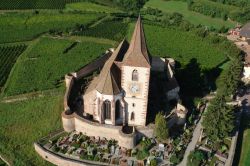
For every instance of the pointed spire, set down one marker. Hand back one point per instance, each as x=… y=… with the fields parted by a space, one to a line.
x=138 y=47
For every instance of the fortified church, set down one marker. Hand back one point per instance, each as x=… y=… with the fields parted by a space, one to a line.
x=118 y=96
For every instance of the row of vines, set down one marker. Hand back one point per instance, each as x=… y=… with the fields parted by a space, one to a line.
x=114 y=30
x=8 y=57
x=34 y=4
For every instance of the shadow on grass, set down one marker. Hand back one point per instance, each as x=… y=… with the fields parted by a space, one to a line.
x=245 y=124
x=194 y=84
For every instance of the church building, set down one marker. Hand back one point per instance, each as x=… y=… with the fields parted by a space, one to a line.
x=119 y=94
x=115 y=104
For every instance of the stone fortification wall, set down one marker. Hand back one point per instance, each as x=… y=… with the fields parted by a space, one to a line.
x=69 y=81
x=90 y=128
x=61 y=160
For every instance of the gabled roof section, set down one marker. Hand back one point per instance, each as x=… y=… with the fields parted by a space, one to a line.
x=137 y=54
x=108 y=85
x=108 y=80
x=245 y=30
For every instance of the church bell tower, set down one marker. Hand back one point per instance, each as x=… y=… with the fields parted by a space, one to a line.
x=135 y=78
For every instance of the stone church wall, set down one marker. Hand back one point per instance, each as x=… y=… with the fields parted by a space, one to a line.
x=74 y=122
x=61 y=160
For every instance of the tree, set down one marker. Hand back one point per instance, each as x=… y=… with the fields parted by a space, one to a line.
x=219 y=119
x=132 y=5
x=161 y=129
x=230 y=78
x=196 y=158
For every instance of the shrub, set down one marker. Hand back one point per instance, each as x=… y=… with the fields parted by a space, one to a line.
x=161 y=129
x=142 y=154
x=196 y=158
x=175 y=159
x=153 y=162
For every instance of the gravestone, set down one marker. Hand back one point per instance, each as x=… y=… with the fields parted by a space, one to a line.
x=117 y=151
x=161 y=147
x=90 y=151
x=130 y=162
x=112 y=150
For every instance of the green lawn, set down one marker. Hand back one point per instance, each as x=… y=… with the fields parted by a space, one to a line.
x=28 y=25
x=245 y=151
x=23 y=123
x=193 y=17
x=88 y=6
x=45 y=63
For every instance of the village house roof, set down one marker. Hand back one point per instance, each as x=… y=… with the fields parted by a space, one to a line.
x=134 y=54
x=245 y=30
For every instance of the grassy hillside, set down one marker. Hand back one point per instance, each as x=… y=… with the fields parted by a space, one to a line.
x=193 y=17
x=45 y=63
x=27 y=25
x=23 y=123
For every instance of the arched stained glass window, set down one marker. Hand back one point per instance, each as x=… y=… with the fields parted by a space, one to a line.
x=107 y=109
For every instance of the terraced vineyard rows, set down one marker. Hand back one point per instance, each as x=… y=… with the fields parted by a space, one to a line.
x=34 y=4
x=114 y=30
x=8 y=56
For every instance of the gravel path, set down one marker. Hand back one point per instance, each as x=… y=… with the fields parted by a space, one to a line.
x=191 y=145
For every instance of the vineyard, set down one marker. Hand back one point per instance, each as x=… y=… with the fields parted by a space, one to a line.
x=182 y=46
x=28 y=25
x=8 y=57
x=45 y=64
x=114 y=30
x=93 y=7
x=34 y=4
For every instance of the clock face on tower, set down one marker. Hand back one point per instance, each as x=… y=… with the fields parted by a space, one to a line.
x=134 y=88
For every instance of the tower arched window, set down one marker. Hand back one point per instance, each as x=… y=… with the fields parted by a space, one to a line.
x=117 y=109
x=132 y=116
x=135 y=75
x=107 y=109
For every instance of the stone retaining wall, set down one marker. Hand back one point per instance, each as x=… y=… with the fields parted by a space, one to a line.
x=75 y=122
x=61 y=160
